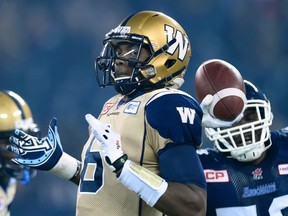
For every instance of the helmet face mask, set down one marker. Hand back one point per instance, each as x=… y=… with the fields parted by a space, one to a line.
x=249 y=138
x=153 y=32
x=123 y=63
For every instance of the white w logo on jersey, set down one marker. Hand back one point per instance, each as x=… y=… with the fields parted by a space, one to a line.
x=186 y=114
x=181 y=42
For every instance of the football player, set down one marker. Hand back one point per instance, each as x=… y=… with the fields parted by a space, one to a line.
x=14 y=113
x=140 y=158
x=247 y=172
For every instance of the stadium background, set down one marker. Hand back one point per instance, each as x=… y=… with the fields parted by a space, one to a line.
x=47 y=52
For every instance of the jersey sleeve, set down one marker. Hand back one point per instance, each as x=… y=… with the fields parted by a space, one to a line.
x=180 y=163
x=176 y=117
x=176 y=120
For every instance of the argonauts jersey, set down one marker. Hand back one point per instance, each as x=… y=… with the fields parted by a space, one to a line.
x=147 y=124
x=235 y=188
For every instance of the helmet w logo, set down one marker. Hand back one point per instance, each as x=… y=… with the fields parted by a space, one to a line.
x=181 y=43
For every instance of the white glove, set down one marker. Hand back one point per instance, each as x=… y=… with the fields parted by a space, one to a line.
x=110 y=143
x=212 y=122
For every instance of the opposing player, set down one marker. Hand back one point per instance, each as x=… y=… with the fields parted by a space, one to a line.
x=247 y=174
x=14 y=113
x=132 y=163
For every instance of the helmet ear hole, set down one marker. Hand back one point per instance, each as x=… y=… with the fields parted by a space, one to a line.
x=169 y=63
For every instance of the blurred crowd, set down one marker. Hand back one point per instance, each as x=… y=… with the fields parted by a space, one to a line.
x=47 y=52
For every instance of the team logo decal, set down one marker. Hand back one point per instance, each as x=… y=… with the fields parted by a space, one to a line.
x=132 y=107
x=187 y=114
x=283 y=169
x=121 y=30
x=215 y=176
x=257 y=174
x=106 y=108
x=181 y=43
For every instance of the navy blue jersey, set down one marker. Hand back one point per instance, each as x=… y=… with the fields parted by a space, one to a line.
x=236 y=188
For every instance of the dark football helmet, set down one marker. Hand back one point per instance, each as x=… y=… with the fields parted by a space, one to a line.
x=248 y=139
x=14 y=113
x=167 y=43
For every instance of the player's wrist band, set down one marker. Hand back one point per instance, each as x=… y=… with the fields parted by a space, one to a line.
x=66 y=167
x=119 y=163
x=149 y=186
x=75 y=176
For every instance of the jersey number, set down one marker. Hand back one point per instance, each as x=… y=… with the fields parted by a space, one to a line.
x=275 y=208
x=92 y=173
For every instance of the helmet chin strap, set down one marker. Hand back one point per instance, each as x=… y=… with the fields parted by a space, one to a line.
x=249 y=153
x=177 y=83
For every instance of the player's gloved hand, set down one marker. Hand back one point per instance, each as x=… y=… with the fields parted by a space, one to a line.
x=110 y=143
x=42 y=154
x=212 y=122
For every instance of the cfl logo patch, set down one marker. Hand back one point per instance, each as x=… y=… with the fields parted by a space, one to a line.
x=181 y=43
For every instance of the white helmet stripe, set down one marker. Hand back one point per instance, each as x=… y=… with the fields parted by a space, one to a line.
x=226 y=93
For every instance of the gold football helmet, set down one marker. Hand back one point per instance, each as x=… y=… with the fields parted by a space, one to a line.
x=169 y=49
x=14 y=113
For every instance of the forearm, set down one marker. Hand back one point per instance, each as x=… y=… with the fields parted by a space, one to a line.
x=176 y=199
x=68 y=168
x=149 y=186
x=76 y=178
x=181 y=199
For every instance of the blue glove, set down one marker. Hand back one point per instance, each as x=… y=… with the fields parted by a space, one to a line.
x=42 y=154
